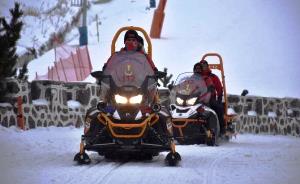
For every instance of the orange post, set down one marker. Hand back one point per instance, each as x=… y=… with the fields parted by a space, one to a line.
x=20 y=117
x=158 y=20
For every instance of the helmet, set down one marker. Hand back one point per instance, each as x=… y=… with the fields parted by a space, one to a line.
x=130 y=34
x=203 y=64
x=196 y=66
x=140 y=40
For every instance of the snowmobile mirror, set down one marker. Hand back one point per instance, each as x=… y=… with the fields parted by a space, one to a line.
x=160 y=74
x=245 y=92
x=101 y=106
x=170 y=86
x=172 y=107
x=97 y=74
x=156 y=107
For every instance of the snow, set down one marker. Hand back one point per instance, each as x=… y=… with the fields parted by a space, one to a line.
x=73 y=104
x=258 y=40
x=5 y=105
x=290 y=111
x=272 y=114
x=231 y=111
x=40 y=102
x=259 y=44
x=41 y=19
x=251 y=113
x=45 y=155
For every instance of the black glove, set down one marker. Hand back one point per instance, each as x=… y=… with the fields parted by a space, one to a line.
x=211 y=88
x=104 y=66
x=219 y=99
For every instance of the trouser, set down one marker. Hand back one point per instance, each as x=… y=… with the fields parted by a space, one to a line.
x=219 y=109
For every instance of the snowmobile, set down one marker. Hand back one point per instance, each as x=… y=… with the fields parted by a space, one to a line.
x=128 y=122
x=194 y=122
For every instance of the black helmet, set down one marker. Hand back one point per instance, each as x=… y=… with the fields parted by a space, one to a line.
x=195 y=66
x=203 y=63
x=131 y=34
x=140 y=40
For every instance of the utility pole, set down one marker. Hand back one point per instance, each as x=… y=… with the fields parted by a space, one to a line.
x=83 y=31
x=97 y=26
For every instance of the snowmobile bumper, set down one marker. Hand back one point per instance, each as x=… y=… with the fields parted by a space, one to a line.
x=115 y=147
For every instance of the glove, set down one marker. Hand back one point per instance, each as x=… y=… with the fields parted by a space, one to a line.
x=211 y=88
x=104 y=66
x=219 y=99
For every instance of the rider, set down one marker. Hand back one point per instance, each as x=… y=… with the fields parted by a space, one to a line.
x=215 y=87
x=204 y=98
x=134 y=42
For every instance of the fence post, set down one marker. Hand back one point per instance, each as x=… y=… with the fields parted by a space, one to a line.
x=80 y=63
x=20 y=117
x=88 y=54
x=75 y=68
x=63 y=68
x=55 y=64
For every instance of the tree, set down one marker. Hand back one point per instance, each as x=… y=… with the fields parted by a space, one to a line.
x=167 y=79
x=9 y=35
x=22 y=72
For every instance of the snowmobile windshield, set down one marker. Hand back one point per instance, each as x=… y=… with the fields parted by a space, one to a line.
x=129 y=69
x=190 y=84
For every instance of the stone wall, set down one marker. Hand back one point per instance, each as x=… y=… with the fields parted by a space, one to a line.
x=266 y=115
x=45 y=103
x=253 y=114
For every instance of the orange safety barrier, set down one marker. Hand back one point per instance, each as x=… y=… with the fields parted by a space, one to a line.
x=158 y=20
x=20 y=117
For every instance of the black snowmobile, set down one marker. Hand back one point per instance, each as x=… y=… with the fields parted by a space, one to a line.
x=128 y=122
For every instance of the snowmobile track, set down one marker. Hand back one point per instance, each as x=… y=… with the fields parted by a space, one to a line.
x=210 y=164
x=107 y=175
x=210 y=173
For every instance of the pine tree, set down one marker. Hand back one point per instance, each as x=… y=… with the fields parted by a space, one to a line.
x=22 y=72
x=9 y=35
x=167 y=79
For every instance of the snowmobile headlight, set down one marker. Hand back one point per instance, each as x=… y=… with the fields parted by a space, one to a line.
x=179 y=101
x=120 y=99
x=191 y=101
x=136 y=99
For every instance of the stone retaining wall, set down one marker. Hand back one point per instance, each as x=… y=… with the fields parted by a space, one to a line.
x=254 y=114
x=266 y=115
x=45 y=103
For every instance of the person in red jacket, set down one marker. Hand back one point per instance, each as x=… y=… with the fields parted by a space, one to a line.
x=215 y=87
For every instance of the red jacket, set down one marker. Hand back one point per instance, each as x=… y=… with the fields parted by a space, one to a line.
x=213 y=81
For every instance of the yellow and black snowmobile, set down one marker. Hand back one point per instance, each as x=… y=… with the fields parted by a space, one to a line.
x=128 y=121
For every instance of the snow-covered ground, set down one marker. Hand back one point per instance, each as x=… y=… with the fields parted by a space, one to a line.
x=45 y=155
